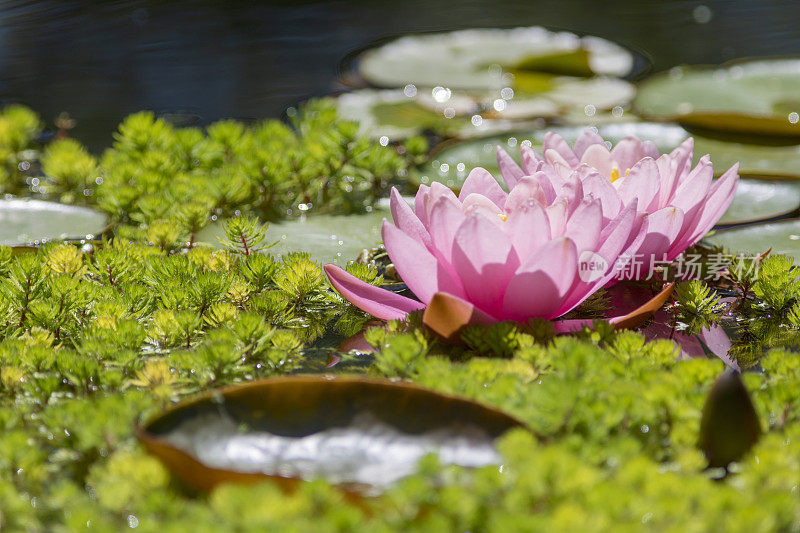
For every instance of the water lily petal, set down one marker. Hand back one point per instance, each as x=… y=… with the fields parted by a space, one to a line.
x=683 y=155
x=540 y=284
x=446 y=217
x=378 y=302
x=418 y=268
x=420 y=202
x=447 y=315
x=528 y=229
x=528 y=189
x=596 y=185
x=717 y=202
x=627 y=152
x=642 y=183
x=484 y=261
x=480 y=181
x=584 y=226
x=662 y=229
x=405 y=219
x=598 y=156
x=587 y=138
x=509 y=168
x=437 y=191
x=554 y=141
x=531 y=162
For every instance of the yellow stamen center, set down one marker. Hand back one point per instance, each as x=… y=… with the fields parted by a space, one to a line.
x=615 y=174
x=502 y=216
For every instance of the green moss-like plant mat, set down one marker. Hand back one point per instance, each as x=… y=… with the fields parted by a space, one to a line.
x=97 y=337
x=490 y=58
x=753 y=97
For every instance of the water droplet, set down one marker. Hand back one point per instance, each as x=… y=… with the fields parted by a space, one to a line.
x=449 y=112
x=410 y=90
x=499 y=104
x=590 y=110
x=477 y=120
x=445 y=168
x=384 y=140
x=460 y=167
x=793 y=117
x=702 y=14
x=617 y=112
x=512 y=141
x=441 y=94
x=507 y=93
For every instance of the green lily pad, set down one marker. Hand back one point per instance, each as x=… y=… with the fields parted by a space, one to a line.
x=25 y=221
x=398 y=114
x=752 y=97
x=326 y=238
x=759 y=200
x=484 y=58
x=783 y=237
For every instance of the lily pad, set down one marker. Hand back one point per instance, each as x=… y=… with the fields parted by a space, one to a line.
x=783 y=237
x=326 y=238
x=398 y=114
x=25 y=221
x=757 y=97
x=488 y=58
x=760 y=200
x=361 y=434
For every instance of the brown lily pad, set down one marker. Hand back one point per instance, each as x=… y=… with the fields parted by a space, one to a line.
x=361 y=434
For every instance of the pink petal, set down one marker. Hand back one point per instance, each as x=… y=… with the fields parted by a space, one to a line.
x=420 y=202
x=509 y=168
x=437 y=191
x=662 y=229
x=484 y=260
x=584 y=226
x=668 y=172
x=545 y=180
x=572 y=191
x=540 y=284
x=557 y=215
x=642 y=183
x=616 y=234
x=447 y=315
x=528 y=189
x=691 y=193
x=528 y=229
x=587 y=138
x=479 y=204
x=445 y=218
x=378 y=302
x=405 y=219
x=627 y=153
x=717 y=202
x=531 y=162
x=650 y=150
x=596 y=185
x=599 y=157
x=683 y=158
x=554 y=141
x=417 y=267
x=480 y=181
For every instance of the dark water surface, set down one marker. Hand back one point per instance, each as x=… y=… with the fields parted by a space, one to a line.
x=208 y=60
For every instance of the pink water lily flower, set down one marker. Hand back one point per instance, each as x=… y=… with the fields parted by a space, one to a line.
x=681 y=203
x=510 y=255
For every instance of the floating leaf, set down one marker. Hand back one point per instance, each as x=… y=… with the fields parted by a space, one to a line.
x=756 y=97
x=326 y=238
x=363 y=434
x=783 y=237
x=26 y=221
x=475 y=58
x=730 y=425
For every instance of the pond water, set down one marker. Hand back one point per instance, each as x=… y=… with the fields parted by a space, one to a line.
x=205 y=60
